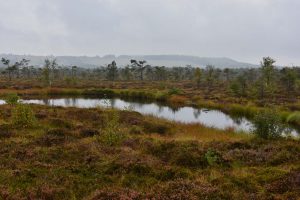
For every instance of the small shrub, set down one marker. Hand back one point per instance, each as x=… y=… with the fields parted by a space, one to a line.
x=294 y=118
x=12 y=99
x=136 y=130
x=267 y=125
x=23 y=116
x=211 y=157
x=174 y=91
x=235 y=88
x=112 y=134
x=68 y=80
x=162 y=86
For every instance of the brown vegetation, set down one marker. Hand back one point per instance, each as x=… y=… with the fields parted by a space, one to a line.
x=64 y=157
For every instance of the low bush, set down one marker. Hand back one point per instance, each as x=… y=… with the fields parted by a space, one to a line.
x=112 y=134
x=174 y=91
x=294 y=118
x=23 y=116
x=268 y=125
x=211 y=157
x=12 y=99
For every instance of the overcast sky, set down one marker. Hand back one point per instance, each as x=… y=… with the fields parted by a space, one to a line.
x=244 y=30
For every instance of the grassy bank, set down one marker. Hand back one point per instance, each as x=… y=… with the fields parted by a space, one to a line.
x=70 y=154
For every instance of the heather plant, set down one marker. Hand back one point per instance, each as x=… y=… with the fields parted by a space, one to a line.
x=23 y=116
x=112 y=133
x=12 y=99
x=268 y=125
x=174 y=91
x=294 y=118
x=211 y=157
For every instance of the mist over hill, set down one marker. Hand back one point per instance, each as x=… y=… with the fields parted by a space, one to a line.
x=123 y=60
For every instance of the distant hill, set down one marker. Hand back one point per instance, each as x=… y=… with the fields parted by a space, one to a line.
x=122 y=60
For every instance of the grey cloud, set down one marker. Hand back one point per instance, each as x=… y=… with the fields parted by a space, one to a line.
x=240 y=29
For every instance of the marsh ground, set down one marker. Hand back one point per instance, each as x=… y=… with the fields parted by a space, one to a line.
x=68 y=155
x=73 y=153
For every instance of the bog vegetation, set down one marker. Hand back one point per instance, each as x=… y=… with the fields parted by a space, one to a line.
x=102 y=153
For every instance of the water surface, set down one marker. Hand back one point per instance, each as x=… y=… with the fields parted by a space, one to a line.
x=210 y=118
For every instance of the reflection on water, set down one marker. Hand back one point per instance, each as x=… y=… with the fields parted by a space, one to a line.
x=211 y=118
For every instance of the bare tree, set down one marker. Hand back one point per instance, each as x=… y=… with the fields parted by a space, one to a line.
x=139 y=67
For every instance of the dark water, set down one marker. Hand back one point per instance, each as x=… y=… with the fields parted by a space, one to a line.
x=210 y=118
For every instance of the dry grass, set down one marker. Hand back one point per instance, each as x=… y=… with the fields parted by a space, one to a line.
x=201 y=133
x=176 y=99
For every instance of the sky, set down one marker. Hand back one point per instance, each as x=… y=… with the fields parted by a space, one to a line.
x=244 y=30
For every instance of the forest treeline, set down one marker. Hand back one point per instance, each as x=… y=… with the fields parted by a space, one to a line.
x=263 y=81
